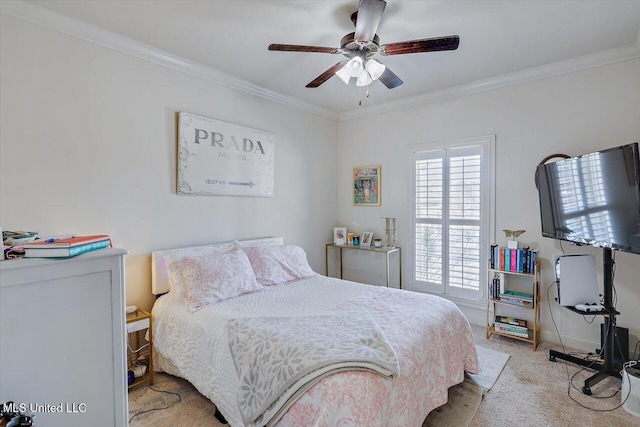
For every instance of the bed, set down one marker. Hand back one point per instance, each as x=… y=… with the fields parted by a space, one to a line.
x=428 y=335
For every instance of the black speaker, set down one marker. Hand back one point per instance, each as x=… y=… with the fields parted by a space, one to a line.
x=621 y=344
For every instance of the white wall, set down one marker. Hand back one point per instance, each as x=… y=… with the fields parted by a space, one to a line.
x=88 y=145
x=574 y=113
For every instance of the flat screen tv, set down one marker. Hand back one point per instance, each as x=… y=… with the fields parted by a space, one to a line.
x=593 y=199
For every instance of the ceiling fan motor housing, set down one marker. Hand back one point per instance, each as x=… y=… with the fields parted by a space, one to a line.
x=351 y=47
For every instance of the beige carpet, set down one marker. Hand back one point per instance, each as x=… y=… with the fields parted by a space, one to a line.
x=195 y=410
x=531 y=390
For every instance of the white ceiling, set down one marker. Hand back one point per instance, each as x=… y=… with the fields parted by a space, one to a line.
x=497 y=38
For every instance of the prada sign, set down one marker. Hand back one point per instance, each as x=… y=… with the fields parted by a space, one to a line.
x=221 y=158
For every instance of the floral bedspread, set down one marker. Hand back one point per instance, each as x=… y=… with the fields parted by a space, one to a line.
x=430 y=336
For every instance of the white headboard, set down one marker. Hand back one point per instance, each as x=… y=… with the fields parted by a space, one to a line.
x=159 y=278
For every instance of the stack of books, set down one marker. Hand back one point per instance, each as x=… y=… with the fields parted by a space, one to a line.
x=495 y=287
x=511 y=326
x=512 y=260
x=66 y=247
x=517 y=298
x=497 y=292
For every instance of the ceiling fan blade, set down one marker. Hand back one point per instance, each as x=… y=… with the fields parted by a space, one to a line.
x=389 y=79
x=327 y=74
x=369 y=16
x=299 y=48
x=424 y=45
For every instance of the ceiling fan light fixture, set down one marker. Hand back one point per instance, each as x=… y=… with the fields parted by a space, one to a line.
x=344 y=74
x=364 y=79
x=355 y=66
x=375 y=68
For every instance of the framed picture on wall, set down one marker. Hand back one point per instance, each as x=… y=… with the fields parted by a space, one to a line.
x=217 y=158
x=366 y=186
x=367 y=238
x=339 y=235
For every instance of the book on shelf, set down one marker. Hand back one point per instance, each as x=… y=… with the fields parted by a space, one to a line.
x=532 y=261
x=492 y=257
x=510 y=331
x=518 y=295
x=505 y=298
x=511 y=321
x=507 y=259
x=511 y=328
x=519 y=265
x=65 y=251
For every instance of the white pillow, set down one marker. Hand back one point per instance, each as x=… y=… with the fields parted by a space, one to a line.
x=278 y=264
x=211 y=279
x=176 y=281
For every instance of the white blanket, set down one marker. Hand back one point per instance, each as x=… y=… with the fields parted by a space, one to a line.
x=279 y=358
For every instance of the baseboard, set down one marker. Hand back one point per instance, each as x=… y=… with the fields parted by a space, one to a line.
x=478 y=316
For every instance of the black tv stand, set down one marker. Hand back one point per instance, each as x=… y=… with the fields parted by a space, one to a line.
x=605 y=368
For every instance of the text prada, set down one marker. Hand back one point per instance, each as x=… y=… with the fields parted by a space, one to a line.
x=218 y=140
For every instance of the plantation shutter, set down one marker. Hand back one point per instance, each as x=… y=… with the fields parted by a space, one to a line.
x=449 y=216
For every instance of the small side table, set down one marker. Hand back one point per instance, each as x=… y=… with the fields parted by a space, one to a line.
x=138 y=322
x=385 y=250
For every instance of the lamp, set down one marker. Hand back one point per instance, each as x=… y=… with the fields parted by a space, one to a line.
x=375 y=68
x=365 y=73
x=390 y=231
x=364 y=78
x=353 y=68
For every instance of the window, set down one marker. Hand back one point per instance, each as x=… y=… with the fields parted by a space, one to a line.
x=451 y=221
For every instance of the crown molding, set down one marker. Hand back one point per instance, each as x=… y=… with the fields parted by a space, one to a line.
x=46 y=18
x=75 y=28
x=579 y=63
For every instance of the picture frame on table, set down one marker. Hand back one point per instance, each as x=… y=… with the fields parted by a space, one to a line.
x=367 y=238
x=339 y=235
x=367 y=182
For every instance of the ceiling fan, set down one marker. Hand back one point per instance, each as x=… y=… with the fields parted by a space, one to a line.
x=361 y=45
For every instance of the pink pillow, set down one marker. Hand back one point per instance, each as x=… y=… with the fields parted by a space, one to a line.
x=176 y=281
x=278 y=264
x=211 y=279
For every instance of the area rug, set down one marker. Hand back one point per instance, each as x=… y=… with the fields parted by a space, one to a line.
x=465 y=398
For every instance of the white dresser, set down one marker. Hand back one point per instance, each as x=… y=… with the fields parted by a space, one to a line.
x=62 y=338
